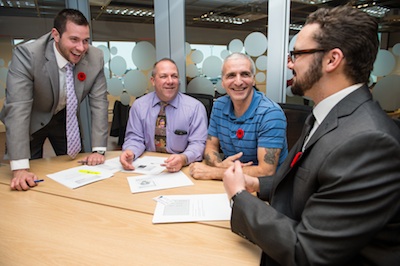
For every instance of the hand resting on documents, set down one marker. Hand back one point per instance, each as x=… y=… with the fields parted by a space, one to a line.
x=173 y=163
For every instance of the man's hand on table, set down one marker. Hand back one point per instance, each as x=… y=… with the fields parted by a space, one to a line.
x=126 y=160
x=202 y=171
x=175 y=162
x=23 y=180
x=94 y=159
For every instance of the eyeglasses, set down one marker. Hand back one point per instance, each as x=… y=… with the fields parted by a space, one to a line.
x=294 y=54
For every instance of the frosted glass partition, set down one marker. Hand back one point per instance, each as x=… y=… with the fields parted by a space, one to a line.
x=208 y=60
x=128 y=68
x=386 y=73
x=128 y=65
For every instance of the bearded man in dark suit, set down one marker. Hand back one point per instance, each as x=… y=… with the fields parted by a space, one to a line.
x=335 y=200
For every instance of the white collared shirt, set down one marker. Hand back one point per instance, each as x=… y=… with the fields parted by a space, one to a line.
x=322 y=109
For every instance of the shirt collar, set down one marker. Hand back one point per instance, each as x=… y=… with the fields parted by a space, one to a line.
x=174 y=103
x=229 y=110
x=321 y=110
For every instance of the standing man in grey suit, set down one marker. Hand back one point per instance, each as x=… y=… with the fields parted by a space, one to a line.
x=336 y=198
x=35 y=106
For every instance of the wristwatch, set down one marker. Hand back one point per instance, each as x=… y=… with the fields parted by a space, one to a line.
x=234 y=196
x=100 y=152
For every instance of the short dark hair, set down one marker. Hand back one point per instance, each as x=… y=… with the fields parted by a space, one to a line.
x=352 y=31
x=153 y=72
x=73 y=15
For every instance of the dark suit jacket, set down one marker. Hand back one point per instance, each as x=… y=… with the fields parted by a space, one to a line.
x=340 y=204
x=33 y=94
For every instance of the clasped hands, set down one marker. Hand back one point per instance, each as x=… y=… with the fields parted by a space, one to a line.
x=235 y=181
x=203 y=171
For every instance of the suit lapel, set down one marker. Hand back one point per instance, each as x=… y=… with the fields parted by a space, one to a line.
x=328 y=124
x=79 y=85
x=344 y=108
x=52 y=70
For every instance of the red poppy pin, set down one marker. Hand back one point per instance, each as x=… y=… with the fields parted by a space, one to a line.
x=295 y=159
x=81 y=76
x=240 y=133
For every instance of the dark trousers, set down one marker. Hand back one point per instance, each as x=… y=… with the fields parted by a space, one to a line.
x=55 y=132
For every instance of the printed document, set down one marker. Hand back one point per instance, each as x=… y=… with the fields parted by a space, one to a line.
x=164 y=180
x=192 y=208
x=148 y=165
x=112 y=165
x=80 y=176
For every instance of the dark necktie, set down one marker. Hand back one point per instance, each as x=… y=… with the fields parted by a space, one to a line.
x=72 y=127
x=308 y=125
x=160 y=138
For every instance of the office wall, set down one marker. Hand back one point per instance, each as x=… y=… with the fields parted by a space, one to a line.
x=393 y=39
x=28 y=28
x=32 y=28
x=20 y=27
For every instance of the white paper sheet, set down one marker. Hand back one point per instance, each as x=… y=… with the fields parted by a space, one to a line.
x=80 y=176
x=113 y=165
x=148 y=165
x=192 y=208
x=164 y=180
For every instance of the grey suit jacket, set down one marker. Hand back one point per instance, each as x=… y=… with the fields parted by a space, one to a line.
x=33 y=93
x=340 y=203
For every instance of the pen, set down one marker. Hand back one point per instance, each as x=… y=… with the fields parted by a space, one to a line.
x=39 y=180
x=82 y=162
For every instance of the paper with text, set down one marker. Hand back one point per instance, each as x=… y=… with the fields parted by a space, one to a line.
x=192 y=208
x=148 y=165
x=164 y=180
x=80 y=176
x=112 y=165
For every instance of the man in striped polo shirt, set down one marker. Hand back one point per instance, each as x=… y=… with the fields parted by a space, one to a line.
x=244 y=124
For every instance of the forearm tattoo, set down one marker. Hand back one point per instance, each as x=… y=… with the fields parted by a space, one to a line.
x=217 y=159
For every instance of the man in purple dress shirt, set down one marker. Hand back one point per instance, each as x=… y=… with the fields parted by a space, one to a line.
x=186 y=123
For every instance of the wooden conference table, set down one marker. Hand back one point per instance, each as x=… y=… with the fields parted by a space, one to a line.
x=103 y=223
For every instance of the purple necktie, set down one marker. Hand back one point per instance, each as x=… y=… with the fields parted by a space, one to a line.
x=73 y=134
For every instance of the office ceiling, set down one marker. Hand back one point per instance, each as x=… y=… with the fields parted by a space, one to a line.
x=217 y=10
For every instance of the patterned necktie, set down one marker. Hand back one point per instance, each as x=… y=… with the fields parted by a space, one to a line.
x=73 y=134
x=160 y=138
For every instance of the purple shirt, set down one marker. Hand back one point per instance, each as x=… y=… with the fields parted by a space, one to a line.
x=186 y=126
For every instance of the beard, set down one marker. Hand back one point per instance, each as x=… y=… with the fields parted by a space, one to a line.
x=313 y=74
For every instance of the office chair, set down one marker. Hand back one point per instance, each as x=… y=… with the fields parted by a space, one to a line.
x=119 y=121
x=206 y=99
x=295 y=116
x=396 y=121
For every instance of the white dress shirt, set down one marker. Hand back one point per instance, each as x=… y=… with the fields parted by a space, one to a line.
x=322 y=109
